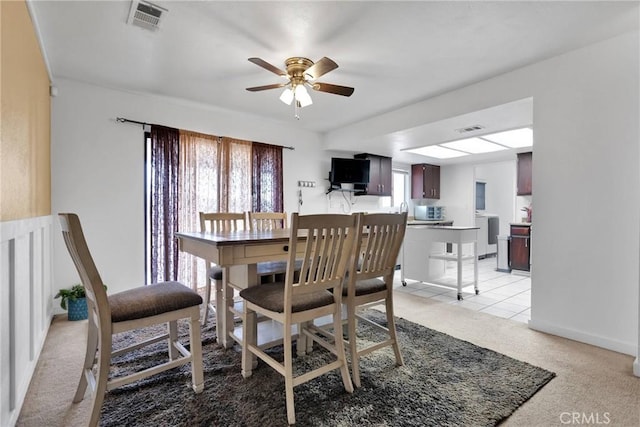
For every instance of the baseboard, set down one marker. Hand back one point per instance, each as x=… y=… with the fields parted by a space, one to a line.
x=596 y=340
x=636 y=367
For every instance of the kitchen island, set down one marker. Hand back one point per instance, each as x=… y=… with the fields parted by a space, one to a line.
x=424 y=256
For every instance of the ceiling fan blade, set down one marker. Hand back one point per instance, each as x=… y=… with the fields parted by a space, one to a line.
x=273 y=86
x=321 y=67
x=264 y=64
x=335 y=89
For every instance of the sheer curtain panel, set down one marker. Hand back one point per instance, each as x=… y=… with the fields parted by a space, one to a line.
x=199 y=191
x=165 y=151
x=193 y=172
x=267 y=178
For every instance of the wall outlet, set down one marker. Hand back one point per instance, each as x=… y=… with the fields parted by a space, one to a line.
x=306 y=183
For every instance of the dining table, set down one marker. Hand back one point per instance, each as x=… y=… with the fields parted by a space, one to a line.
x=238 y=254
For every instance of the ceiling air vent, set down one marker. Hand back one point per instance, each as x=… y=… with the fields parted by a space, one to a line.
x=146 y=15
x=469 y=129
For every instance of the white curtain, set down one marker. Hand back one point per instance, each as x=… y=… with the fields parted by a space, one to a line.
x=214 y=176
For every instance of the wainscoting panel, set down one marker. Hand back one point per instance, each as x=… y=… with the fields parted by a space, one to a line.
x=25 y=307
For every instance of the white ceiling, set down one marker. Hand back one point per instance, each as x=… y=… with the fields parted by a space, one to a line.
x=393 y=53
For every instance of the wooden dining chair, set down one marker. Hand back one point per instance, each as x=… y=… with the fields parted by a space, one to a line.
x=161 y=303
x=216 y=222
x=224 y=297
x=379 y=241
x=265 y=221
x=261 y=221
x=327 y=243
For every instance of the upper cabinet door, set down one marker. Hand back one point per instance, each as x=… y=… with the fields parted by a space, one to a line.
x=525 y=169
x=380 y=176
x=425 y=181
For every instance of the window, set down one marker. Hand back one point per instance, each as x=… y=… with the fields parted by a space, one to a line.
x=400 y=188
x=480 y=195
x=187 y=173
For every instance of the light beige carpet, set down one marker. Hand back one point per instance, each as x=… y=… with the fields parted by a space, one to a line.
x=592 y=386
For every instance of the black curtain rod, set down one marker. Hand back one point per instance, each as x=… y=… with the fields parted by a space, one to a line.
x=123 y=120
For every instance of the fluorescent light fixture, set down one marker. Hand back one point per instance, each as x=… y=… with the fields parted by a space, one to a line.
x=438 y=152
x=516 y=138
x=287 y=96
x=474 y=146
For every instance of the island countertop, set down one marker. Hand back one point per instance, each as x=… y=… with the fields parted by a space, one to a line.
x=447 y=227
x=414 y=222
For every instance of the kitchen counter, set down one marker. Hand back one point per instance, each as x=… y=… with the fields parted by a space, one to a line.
x=429 y=222
x=451 y=227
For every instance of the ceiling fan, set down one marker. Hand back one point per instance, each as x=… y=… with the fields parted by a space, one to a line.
x=301 y=72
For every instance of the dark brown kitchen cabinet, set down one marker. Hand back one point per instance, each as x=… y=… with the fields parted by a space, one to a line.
x=425 y=181
x=525 y=168
x=380 y=176
x=520 y=248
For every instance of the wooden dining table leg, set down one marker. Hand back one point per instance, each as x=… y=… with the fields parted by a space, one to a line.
x=238 y=277
x=221 y=309
x=222 y=315
x=226 y=315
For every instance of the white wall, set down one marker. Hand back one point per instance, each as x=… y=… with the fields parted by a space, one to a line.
x=97 y=169
x=457 y=193
x=500 y=190
x=585 y=179
x=586 y=132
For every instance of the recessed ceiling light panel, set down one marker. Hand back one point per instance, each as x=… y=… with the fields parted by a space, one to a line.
x=474 y=146
x=438 y=152
x=516 y=138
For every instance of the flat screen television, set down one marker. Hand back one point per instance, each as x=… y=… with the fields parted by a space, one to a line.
x=349 y=171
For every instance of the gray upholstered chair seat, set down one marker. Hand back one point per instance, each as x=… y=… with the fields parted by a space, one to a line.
x=151 y=300
x=366 y=287
x=215 y=273
x=271 y=297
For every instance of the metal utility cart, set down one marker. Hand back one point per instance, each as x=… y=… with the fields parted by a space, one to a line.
x=424 y=254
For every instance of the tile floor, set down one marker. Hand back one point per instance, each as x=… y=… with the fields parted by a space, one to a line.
x=506 y=295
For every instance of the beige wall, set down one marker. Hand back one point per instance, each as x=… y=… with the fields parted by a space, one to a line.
x=25 y=166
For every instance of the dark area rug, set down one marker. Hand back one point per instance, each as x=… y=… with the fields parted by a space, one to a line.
x=444 y=382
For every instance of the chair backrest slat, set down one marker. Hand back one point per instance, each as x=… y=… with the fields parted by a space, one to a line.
x=380 y=239
x=328 y=243
x=261 y=221
x=222 y=221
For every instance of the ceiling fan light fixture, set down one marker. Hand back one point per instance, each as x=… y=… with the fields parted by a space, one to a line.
x=287 y=96
x=302 y=96
x=301 y=72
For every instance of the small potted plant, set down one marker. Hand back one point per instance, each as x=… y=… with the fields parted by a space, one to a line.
x=75 y=300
